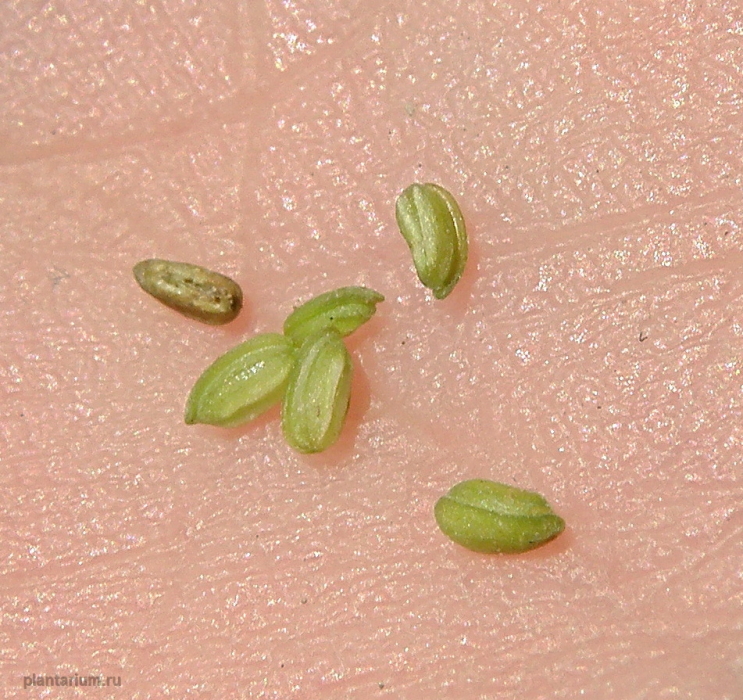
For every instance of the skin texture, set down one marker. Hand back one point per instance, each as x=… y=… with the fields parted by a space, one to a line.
x=591 y=352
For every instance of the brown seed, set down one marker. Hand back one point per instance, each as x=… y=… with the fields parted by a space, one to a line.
x=192 y=290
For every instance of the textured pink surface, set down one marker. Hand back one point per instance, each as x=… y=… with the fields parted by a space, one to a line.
x=592 y=351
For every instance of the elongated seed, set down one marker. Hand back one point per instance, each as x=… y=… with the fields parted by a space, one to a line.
x=432 y=224
x=316 y=399
x=343 y=310
x=243 y=383
x=486 y=516
x=192 y=290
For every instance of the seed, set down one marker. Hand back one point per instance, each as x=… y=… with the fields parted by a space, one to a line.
x=431 y=223
x=192 y=290
x=486 y=516
x=343 y=309
x=316 y=399
x=242 y=383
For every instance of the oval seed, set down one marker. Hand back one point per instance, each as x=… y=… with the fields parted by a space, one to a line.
x=192 y=290
x=343 y=310
x=486 y=516
x=432 y=224
x=318 y=393
x=243 y=383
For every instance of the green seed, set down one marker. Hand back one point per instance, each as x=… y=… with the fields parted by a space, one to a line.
x=431 y=223
x=486 y=516
x=343 y=309
x=192 y=290
x=242 y=383
x=316 y=399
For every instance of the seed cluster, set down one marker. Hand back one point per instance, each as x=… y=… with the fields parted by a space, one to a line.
x=309 y=369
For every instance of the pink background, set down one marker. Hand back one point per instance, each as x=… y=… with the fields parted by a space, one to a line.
x=592 y=351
